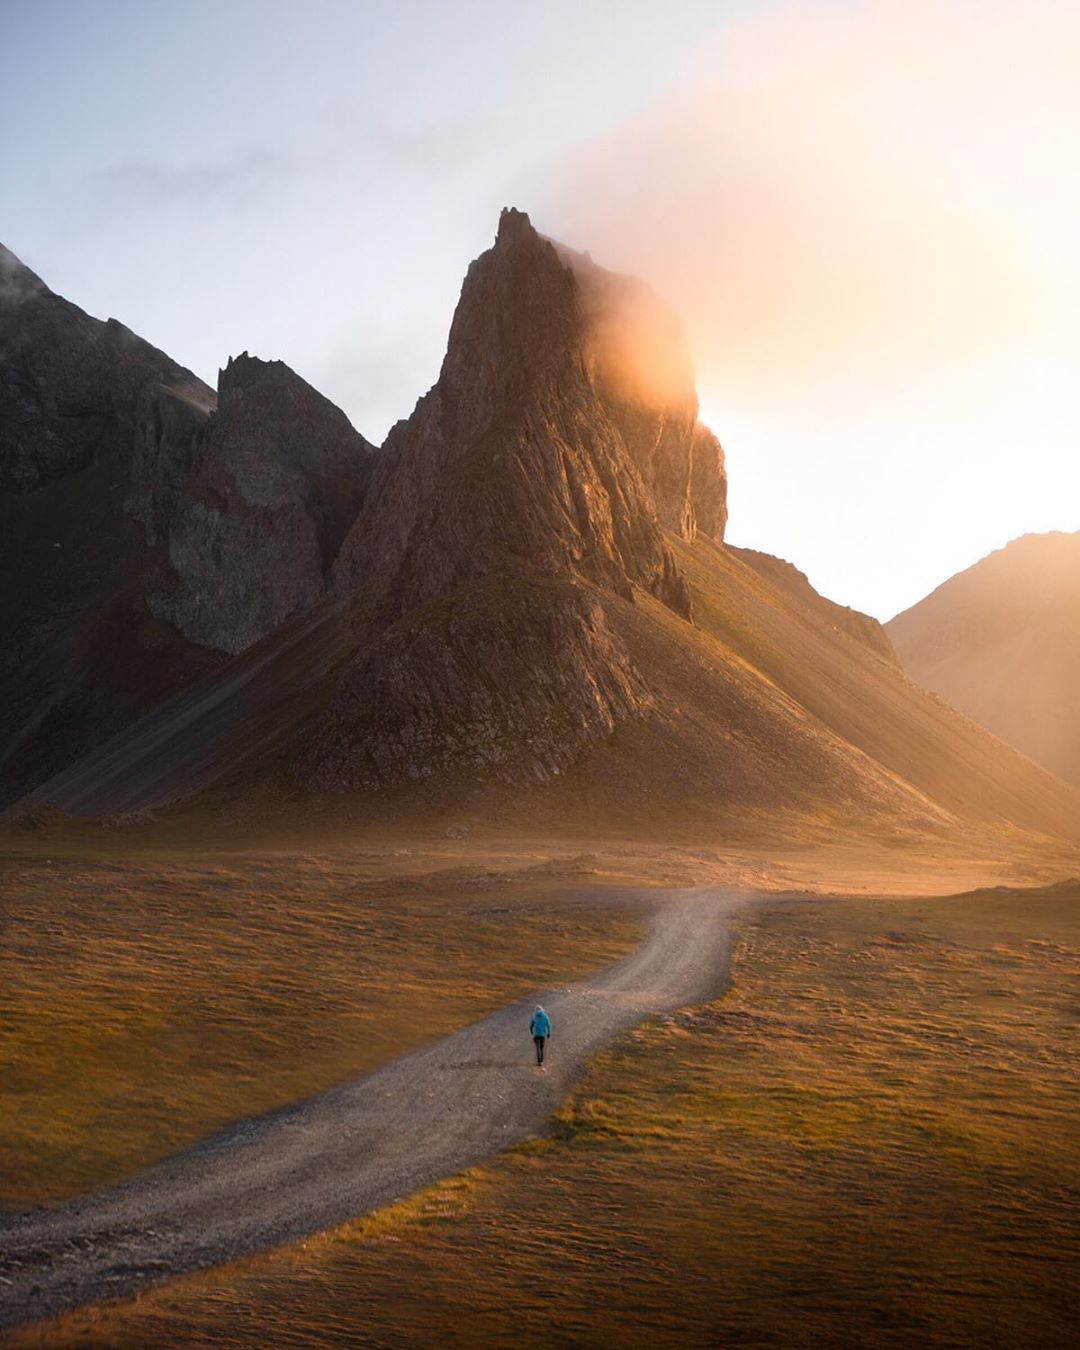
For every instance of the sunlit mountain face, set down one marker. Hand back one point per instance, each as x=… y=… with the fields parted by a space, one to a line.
x=862 y=218
x=1001 y=641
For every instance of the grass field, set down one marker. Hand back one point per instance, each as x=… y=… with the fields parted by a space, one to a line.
x=870 y=1140
x=151 y=990
x=146 y=1002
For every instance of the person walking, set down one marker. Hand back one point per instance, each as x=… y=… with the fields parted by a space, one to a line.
x=540 y=1030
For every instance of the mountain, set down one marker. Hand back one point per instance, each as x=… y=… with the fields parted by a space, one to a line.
x=525 y=604
x=254 y=532
x=75 y=391
x=147 y=525
x=535 y=478
x=1001 y=642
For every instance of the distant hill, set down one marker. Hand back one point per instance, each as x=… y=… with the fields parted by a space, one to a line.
x=1001 y=642
x=522 y=599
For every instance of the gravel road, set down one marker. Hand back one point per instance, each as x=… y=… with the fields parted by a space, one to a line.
x=275 y=1178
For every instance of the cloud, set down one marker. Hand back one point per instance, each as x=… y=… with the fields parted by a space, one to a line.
x=867 y=219
x=886 y=186
x=406 y=142
x=246 y=178
x=444 y=146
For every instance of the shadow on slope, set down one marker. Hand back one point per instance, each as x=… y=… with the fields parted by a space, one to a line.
x=766 y=706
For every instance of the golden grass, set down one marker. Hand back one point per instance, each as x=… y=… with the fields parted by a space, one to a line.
x=871 y=1140
x=145 y=1004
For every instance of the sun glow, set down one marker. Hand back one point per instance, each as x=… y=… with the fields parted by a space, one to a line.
x=868 y=221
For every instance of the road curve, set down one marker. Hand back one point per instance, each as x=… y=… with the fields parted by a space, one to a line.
x=278 y=1177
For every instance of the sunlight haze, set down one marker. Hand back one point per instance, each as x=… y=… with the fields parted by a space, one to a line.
x=865 y=215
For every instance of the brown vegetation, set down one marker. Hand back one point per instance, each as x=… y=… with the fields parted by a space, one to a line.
x=869 y=1139
x=147 y=1003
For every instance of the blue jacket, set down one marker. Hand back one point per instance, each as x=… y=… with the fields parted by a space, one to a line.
x=540 y=1024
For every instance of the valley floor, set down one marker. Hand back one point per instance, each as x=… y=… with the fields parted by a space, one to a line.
x=867 y=1138
x=288 y=1174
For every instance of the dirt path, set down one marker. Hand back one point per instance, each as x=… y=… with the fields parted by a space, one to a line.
x=275 y=1178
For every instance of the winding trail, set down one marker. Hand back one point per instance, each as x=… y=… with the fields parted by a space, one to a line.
x=279 y=1177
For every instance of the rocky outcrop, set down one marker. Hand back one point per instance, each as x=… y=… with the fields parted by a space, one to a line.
x=506 y=680
x=252 y=533
x=708 y=485
x=143 y=533
x=527 y=449
x=75 y=391
x=243 y=509
x=531 y=486
x=638 y=359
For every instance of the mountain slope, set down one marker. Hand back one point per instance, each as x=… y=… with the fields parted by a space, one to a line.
x=765 y=706
x=533 y=611
x=144 y=531
x=849 y=681
x=96 y=425
x=1001 y=642
x=75 y=391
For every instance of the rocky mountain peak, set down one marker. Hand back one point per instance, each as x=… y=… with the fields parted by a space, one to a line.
x=528 y=491
x=278 y=481
x=17 y=282
x=75 y=391
x=514 y=330
x=565 y=413
x=243 y=373
x=550 y=312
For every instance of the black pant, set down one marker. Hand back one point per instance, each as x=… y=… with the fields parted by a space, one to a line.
x=538 y=1041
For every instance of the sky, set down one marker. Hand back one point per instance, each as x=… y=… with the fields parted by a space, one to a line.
x=867 y=215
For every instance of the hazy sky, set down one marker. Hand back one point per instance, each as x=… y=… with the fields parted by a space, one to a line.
x=867 y=213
